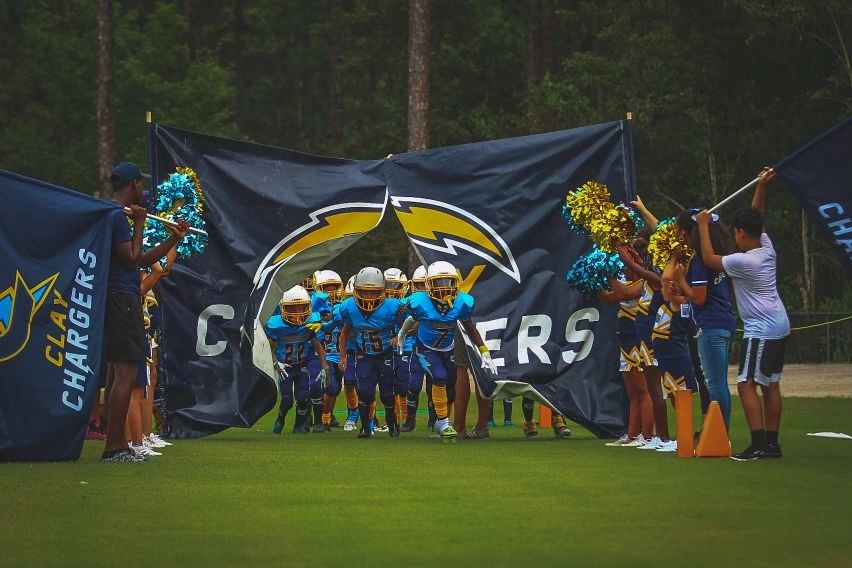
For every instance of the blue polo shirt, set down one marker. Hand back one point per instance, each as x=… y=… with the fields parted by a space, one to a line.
x=716 y=312
x=121 y=278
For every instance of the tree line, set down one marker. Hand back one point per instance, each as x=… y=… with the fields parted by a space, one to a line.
x=717 y=89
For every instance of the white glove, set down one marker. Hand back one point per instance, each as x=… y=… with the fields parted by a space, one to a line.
x=488 y=363
x=400 y=343
x=322 y=378
x=282 y=368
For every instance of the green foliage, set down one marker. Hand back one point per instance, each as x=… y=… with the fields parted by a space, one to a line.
x=718 y=89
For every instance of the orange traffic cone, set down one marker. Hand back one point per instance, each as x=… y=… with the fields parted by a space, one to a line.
x=714 y=442
x=683 y=418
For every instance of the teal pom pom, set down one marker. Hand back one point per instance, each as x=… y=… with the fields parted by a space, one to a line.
x=591 y=272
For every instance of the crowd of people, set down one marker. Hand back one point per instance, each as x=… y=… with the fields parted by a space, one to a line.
x=381 y=332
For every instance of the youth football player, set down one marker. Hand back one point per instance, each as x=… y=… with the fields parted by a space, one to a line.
x=370 y=317
x=437 y=311
x=293 y=340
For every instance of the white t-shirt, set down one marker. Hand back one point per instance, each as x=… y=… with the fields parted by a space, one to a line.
x=758 y=302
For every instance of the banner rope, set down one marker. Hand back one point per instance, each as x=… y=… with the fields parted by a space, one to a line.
x=822 y=324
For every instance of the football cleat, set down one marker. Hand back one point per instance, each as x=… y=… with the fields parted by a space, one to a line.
x=302 y=429
x=560 y=430
x=530 y=430
x=449 y=434
x=410 y=424
x=365 y=434
x=321 y=428
x=278 y=426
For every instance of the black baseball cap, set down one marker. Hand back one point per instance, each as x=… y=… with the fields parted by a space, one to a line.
x=124 y=173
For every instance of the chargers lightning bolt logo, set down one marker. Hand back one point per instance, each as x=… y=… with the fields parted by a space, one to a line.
x=18 y=306
x=446 y=228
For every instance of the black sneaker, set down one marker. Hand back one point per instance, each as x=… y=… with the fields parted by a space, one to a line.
x=321 y=428
x=334 y=422
x=409 y=425
x=773 y=450
x=750 y=454
x=301 y=429
x=393 y=429
x=365 y=434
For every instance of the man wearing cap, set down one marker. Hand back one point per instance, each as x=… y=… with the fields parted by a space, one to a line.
x=124 y=329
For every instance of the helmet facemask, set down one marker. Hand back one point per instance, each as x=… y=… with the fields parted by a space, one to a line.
x=396 y=288
x=295 y=313
x=442 y=287
x=368 y=298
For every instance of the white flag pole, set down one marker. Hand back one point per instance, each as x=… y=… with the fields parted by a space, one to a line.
x=734 y=194
x=168 y=223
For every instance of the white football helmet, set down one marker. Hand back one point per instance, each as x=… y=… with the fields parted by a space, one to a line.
x=418 y=279
x=396 y=283
x=369 y=288
x=349 y=289
x=329 y=281
x=296 y=306
x=442 y=281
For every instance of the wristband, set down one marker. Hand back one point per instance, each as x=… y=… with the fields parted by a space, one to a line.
x=483 y=349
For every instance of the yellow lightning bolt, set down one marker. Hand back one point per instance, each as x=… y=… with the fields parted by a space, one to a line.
x=422 y=222
x=337 y=226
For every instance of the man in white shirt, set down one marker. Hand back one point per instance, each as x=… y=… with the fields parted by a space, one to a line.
x=765 y=322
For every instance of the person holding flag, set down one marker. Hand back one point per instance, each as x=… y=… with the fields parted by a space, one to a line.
x=125 y=340
x=765 y=322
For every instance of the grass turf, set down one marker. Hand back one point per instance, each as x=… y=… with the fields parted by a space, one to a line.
x=250 y=497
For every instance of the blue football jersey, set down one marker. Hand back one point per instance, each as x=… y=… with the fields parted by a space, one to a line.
x=374 y=331
x=436 y=329
x=320 y=302
x=293 y=342
x=329 y=334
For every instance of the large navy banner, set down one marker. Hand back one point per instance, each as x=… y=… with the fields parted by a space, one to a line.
x=820 y=174
x=493 y=209
x=55 y=247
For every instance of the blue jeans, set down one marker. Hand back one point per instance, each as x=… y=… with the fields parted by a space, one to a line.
x=713 y=347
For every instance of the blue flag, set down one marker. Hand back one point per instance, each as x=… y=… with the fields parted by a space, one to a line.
x=55 y=246
x=820 y=175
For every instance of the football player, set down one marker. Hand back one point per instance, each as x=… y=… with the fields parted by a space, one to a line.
x=396 y=286
x=292 y=336
x=370 y=317
x=328 y=283
x=437 y=311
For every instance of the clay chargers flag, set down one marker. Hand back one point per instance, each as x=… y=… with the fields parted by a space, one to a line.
x=55 y=251
x=493 y=209
x=820 y=175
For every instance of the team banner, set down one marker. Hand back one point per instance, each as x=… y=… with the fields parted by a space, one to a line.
x=55 y=251
x=273 y=217
x=493 y=209
x=820 y=174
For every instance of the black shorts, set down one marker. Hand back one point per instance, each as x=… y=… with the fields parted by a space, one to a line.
x=124 y=328
x=460 y=352
x=762 y=360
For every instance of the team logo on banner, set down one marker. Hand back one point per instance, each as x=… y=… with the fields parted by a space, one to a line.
x=326 y=224
x=446 y=228
x=18 y=306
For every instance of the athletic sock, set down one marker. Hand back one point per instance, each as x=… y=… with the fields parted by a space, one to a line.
x=390 y=416
x=412 y=401
x=758 y=438
x=326 y=418
x=771 y=438
x=507 y=409
x=317 y=406
x=351 y=398
x=364 y=413
x=528 y=406
x=403 y=408
x=439 y=399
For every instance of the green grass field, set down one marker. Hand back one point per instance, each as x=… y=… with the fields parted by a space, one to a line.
x=249 y=497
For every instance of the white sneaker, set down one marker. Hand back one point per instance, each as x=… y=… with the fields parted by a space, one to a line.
x=382 y=428
x=637 y=442
x=349 y=426
x=652 y=444
x=151 y=443
x=670 y=446
x=621 y=441
x=143 y=450
x=155 y=438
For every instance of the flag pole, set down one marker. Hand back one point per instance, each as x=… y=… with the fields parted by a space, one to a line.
x=734 y=194
x=168 y=223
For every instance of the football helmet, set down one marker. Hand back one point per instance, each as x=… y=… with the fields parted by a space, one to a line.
x=295 y=306
x=369 y=288
x=442 y=281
